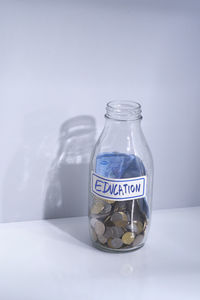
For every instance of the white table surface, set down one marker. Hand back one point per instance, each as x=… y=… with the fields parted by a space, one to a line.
x=50 y=260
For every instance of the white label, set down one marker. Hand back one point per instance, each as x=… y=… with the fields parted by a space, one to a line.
x=118 y=189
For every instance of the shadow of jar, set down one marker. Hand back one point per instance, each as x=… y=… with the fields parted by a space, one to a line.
x=67 y=181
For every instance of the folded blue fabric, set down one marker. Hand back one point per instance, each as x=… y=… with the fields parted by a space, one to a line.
x=121 y=165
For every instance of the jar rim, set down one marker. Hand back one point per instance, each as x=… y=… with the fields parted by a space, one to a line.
x=123 y=110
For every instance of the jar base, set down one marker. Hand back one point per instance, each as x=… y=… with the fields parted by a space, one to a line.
x=122 y=250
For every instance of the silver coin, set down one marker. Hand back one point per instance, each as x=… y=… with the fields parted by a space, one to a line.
x=93 y=234
x=97 y=207
x=107 y=208
x=117 y=232
x=113 y=232
x=120 y=206
x=93 y=221
x=99 y=228
x=102 y=239
x=116 y=243
x=116 y=216
x=132 y=227
x=108 y=233
x=119 y=219
x=138 y=240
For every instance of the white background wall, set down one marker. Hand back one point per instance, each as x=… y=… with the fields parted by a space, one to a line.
x=60 y=59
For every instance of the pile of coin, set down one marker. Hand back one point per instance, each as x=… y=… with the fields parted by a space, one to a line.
x=118 y=224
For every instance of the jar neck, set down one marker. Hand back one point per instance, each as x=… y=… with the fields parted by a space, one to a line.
x=121 y=128
x=123 y=111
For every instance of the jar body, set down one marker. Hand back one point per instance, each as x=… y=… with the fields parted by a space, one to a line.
x=120 y=187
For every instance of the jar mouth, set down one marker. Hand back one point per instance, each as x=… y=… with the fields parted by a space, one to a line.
x=123 y=110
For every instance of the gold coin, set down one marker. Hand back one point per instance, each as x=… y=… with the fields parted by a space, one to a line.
x=140 y=227
x=107 y=219
x=128 y=238
x=109 y=201
x=109 y=242
x=97 y=208
x=145 y=225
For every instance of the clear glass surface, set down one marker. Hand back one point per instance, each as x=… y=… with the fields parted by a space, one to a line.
x=122 y=144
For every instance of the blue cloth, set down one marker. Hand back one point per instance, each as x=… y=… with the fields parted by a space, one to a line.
x=121 y=165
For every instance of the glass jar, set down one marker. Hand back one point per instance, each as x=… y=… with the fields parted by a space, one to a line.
x=121 y=181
